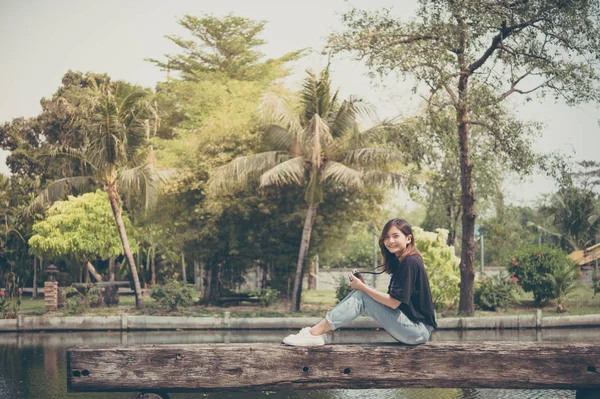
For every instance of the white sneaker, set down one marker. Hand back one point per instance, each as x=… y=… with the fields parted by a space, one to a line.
x=304 y=338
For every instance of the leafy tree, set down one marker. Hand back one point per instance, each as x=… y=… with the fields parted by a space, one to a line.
x=454 y=47
x=114 y=155
x=575 y=214
x=223 y=47
x=316 y=145
x=510 y=228
x=78 y=229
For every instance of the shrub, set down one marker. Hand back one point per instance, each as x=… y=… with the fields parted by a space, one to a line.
x=563 y=279
x=499 y=291
x=172 y=293
x=268 y=297
x=78 y=301
x=343 y=289
x=533 y=265
x=441 y=264
x=10 y=298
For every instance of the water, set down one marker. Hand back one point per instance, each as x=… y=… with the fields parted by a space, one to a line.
x=33 y=365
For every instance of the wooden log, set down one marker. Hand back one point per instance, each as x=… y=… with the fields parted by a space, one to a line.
x=258 y=367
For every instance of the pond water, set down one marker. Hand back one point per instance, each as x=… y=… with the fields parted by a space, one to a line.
x=33 y=365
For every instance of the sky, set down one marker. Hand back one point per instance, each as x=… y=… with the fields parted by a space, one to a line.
x=41 y=40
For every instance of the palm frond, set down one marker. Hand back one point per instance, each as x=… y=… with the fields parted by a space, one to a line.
x=70 y=153
x=280 y=138
x=379 y=178
x=372 y=157
x=345 y=118
x=279 y=109
x=58 y=189
x=338 y=173
x=243 y=169
x=291 y=171
x=143 y=181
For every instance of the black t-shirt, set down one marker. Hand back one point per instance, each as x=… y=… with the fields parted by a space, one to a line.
x=410 y=285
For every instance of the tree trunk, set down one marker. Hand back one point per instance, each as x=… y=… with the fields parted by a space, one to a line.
x=212 y=292
x=183 y=274
x=113 y=197
x=86 y=273
x=304 y=245
x=153 y=267
x=265 y=272
x=467 y=271
x=92 y=270
x=34 y=294
x=111 y=268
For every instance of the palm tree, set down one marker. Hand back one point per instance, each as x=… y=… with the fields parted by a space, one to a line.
x=114 y=156
x=315 y=144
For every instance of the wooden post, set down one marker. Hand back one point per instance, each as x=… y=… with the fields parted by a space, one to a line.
x=260 y=367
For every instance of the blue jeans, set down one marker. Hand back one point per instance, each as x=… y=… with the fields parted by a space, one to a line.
x=400 y=327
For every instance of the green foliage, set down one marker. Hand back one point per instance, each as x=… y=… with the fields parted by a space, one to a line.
x=508 y=230
x=499 y=291
x=223 y=47
x=563 y=280
x=533 y=265
x=442 y=267
x=343 y=289
x=81 y=228
x=267 y=297
x=10 y=297
x=78 y=302
x=575 y=213
x=173 y=293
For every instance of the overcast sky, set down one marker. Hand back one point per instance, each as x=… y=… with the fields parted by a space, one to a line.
x=41 y=40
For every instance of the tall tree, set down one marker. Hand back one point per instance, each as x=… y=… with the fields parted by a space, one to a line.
x=575 y=214
x=223 y=47
x=314 y=145
x=114 y=153
x=510 y=47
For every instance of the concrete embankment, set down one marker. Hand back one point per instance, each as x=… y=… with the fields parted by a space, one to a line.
x=138 y=323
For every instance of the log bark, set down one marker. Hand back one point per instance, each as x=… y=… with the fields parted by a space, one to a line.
x=92 y=270
x=259 y=367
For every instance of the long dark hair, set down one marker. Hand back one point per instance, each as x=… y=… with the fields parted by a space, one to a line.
x=390 y=259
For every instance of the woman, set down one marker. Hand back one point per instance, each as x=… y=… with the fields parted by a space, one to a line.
x=406 y=312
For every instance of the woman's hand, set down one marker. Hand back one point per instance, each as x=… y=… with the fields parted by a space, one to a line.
x=355 y=283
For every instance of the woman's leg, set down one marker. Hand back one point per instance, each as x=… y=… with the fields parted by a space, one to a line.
x=400 y=327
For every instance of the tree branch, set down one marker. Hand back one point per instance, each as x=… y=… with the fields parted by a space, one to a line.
x=513 y=89
x=503 y=34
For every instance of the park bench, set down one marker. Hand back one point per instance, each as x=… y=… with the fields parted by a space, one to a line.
x=236 y=299
x=157 y=370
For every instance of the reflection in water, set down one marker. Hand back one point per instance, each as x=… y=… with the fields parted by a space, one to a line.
x=33 y=365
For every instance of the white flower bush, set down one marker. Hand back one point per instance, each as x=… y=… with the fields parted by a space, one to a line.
x=442 y=266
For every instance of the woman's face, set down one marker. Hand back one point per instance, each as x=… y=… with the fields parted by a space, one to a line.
x=395 y=241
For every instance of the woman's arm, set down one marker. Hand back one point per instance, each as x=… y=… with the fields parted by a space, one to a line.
x=379 y=296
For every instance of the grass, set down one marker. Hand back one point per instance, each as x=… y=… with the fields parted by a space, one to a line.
x=580 y=301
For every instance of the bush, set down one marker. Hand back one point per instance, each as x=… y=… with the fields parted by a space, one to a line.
x=499 y=291
x=343 y=289
x=172 y=293
x=10 y=298
x=532 y=265
x=563 y=280
x=441 y=264
x=268 y=297
x=78 y=301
